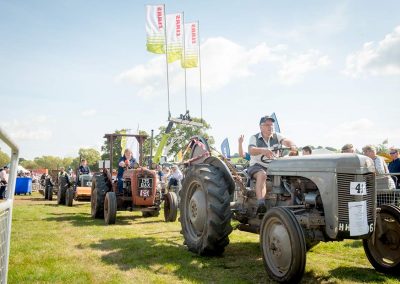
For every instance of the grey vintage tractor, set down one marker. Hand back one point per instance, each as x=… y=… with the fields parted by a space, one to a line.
x=310 y=199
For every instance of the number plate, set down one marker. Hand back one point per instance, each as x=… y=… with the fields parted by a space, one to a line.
x=145 y=183
x=144 y=193
x=358 y=188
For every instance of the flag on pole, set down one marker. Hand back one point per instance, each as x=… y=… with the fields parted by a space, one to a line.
x=276 y=124
x=174 y=36
x=132 y=143
x=225 y=148
x=191 y=48
x=179 y=156
x=155 y=24
x=123 y=141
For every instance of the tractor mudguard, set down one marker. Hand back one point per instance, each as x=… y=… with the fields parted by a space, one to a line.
x=218 y=163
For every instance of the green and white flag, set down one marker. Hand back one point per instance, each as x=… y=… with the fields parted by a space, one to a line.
x=174 y=36
x=155 y=25
x=191 y=51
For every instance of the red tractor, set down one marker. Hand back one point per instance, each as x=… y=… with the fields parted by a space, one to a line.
x=141 y=190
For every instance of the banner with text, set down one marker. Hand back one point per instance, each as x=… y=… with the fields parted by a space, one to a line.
x=191 y=50
x=174 y=36
x=155 y=24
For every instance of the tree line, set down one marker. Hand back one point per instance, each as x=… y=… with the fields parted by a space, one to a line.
x=179 y=137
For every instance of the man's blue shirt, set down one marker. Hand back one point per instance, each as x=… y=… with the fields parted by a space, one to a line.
x=132 y=161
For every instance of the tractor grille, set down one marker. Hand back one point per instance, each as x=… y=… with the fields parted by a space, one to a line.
x=344 y=197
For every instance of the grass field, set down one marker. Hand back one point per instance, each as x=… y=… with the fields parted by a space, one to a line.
x=59 y=244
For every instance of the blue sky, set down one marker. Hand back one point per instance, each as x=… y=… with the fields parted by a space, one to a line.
x=74 y=70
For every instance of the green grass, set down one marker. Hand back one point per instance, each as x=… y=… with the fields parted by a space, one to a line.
x=59 y=244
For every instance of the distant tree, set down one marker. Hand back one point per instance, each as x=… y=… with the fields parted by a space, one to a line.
x=67 y=162
x=49 y=162
x=332 y=149
x=91 y=155
x=180 y=135
x=30 y=165
x=4 y=159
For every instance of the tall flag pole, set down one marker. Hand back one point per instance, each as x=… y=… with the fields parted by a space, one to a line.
x=175 y=35
x=191 y=57
x=201 y=91
x=157 y=35
x=183 y=54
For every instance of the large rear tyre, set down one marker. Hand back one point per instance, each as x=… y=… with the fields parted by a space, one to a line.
x=99 y=190
x=283 y=245
x=170 y=207
x=110 y=208
x=383 y=247
x=205 y=212
x=62 y=189
x=69 y=196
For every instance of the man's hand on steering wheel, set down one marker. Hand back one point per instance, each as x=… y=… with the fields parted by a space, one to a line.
x=268 y=153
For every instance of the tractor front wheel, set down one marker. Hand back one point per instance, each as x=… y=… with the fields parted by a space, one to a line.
x=110 y=208
x=383 y=246
x=170 y=207
x=283 y=245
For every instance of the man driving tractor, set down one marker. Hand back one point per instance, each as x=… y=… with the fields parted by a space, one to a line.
x=126 y=161
x=261 y=144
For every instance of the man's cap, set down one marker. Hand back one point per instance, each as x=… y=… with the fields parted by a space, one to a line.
x=347 y=147
x=265 y=118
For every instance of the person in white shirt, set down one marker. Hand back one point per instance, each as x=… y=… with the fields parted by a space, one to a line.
x=175 y=177
x=262 y=144
x=380 y=165
x=3 y=181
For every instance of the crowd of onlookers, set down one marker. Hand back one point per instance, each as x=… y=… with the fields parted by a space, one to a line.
x=169 y=176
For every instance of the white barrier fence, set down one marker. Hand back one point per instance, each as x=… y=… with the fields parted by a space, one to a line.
x=6 y=207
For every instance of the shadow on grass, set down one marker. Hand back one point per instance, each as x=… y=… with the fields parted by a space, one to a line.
x=155 y=256
x=354 y=244
x=241 y=262
x=358 y=274
x=82 y=220
x=62 y=205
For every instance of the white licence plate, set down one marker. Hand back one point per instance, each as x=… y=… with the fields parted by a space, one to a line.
x=144 y=193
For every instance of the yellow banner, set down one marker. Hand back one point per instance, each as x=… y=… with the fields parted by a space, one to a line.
x=155 y=25
x=191 y=51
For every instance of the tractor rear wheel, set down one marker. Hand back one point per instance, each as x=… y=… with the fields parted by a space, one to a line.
x=205 y=211
x=283 y=245
x=383 y=246
x=170 y=207
x=99 y=189
x=63 y=185
x=110 y=208
x=69 y=196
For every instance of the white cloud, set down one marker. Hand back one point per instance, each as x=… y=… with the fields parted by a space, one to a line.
x=142 y=74
x=295 y=68
x=382 y=58
x=224 y=61
x=29 y=129
x=88 y=112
